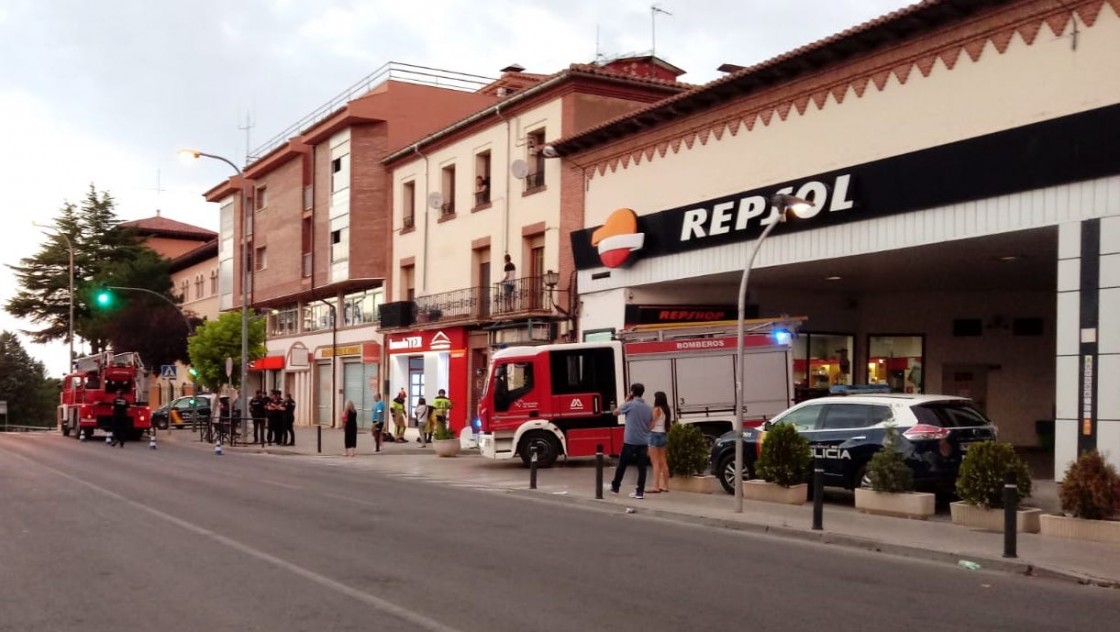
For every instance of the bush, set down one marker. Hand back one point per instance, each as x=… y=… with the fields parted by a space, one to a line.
x=1091 y=488
x=785 y=456
x=687 y=453
x=442 y=432
x=887 y=469
x=980 y=481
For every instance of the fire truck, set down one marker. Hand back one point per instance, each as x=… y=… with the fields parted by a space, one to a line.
x=558 y=398
x=86 y=401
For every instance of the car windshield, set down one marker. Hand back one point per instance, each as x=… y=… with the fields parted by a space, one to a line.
x=950 y=415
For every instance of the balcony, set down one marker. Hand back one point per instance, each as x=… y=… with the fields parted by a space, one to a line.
x=409 y=222
x=447 y=209
x=520 y=296
x=534 y=181
x=523 y=297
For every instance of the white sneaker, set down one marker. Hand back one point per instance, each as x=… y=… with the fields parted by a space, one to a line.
x=637 y=496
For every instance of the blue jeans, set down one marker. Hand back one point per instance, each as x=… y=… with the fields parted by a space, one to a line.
x=637 y=454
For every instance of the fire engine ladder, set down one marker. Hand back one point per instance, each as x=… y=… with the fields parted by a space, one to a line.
x=755 y=326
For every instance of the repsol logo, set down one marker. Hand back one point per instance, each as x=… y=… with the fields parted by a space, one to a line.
x=829 y=452
x=738 y=215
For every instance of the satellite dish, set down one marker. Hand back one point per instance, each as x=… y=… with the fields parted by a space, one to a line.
x=435 y=199
x=519 y=168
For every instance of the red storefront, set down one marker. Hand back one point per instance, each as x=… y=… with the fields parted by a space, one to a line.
x=422 y=362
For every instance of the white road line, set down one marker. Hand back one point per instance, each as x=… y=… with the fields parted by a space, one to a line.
x=392 y=609
x=279 y=484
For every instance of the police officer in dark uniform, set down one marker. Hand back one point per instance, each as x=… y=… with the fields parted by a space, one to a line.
x=121 y=424
x=257 y=411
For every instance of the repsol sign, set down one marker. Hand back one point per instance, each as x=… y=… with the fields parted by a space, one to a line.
x=1050 y=153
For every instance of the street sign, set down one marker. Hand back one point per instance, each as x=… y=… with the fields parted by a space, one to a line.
x=229 y=367
x=3 y=407
x=167 y=372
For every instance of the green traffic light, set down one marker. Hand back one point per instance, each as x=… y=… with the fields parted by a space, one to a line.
x=104 y=298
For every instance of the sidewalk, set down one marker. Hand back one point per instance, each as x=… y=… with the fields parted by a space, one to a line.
x=574 y=482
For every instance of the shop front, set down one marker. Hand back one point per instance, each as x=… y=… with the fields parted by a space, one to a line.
x=423 y=362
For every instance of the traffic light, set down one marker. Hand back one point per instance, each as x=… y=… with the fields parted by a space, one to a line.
x=104 y=298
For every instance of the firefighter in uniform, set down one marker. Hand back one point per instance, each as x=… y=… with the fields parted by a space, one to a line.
x=396 y=407
x=121 y=425
x=442 y=406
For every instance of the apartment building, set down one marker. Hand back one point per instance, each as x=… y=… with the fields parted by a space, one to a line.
x=314 y=233
x=466 y=197
x=964 y=164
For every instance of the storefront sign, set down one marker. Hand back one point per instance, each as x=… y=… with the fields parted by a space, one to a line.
x=349 y=350
x=1059 y=151
x=1087 y=395
x=655 y=314
x=267 y=363
x=422 y=341
x=371 y=353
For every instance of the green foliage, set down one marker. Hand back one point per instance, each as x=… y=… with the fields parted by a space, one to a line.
x=442 y=432
x=30 y=395
x=219 y=339
x=980 y=480
x=785 y=457
x=887 y=469
x=1090 y=488
x=688 y=452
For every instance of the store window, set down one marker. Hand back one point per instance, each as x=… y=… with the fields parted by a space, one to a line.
x=821 y=361
x=897 y=361
x=361 y=307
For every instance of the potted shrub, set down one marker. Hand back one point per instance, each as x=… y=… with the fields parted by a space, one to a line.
x=782 y=464
x=980 y=486
x=892 y=485
x=687 y=455
x=444 y=441
x=1090 y=496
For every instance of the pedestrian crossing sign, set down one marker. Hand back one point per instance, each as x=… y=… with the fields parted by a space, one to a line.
x=168 y=371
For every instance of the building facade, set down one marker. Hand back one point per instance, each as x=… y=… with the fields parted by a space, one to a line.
x=964 y=164
x=476 y=192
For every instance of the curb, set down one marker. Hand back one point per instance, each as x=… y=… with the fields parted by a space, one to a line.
x=838 y=539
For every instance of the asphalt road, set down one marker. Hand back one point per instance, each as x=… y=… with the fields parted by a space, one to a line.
x=99 y=538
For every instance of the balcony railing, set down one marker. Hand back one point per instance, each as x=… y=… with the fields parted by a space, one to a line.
x=481 y=198
x=524 y=295
x=409 y=221
x=446 y=209
x=308 y=197
x=534 y=181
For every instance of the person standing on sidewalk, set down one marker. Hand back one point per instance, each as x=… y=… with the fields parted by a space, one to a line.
x=635 y=439
x=290 y=419
x=378 y=421
x=423 y=415
x=658 y=440
x=441 y=406
x=350 y=428
x=256 y=411
x=397 y=409
x=121 y=424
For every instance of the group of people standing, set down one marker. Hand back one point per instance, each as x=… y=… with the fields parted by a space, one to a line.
x=274 y=418
x=426 y=417
x=645 y=437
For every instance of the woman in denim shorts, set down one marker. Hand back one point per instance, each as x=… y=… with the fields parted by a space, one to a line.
x=658 y=439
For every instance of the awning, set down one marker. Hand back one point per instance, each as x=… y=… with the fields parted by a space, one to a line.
x=267 y=363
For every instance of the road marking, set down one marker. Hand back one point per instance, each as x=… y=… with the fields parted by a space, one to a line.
x=279 y=484
x=390 y=608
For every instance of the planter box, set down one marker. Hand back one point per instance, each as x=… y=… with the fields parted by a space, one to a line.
x=694 y=484
x=1107 y=531
x=992 y=519
x=446 y=447
x=916 y=505
x=772 y=493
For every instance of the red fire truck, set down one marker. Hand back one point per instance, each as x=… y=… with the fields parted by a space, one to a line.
x=86 y=401
x=558 y=398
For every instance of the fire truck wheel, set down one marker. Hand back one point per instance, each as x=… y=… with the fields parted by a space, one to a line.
x=548 y=448
x=88 y=431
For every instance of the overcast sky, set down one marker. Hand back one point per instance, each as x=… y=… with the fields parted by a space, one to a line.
x=105 y=91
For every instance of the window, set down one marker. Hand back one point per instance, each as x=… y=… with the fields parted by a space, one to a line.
x=283 y=321
x=482 y=179
x=408 y=205
x=340 y=173
x=821 y=361
x=448 y=190
x=361 y=307
x=260 y=197
x=847 y=416
x=408 y=282
x=306 y=242
x=184 y=289
x=198 y=287
x=535 y=179
x=803 y=418
x=318 y=315
x=261 y=259
x=511 y=381
x=213 y=282
x=896 y=361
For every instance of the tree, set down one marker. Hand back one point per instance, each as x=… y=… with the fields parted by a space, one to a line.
x=31 y=396
x=217 y=340
x=44 y=278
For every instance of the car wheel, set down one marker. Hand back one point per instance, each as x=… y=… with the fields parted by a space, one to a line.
x=861 y=480
x=548 y=449
x=725 y=470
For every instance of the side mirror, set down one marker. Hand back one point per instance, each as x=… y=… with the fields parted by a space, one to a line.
x=767 y=425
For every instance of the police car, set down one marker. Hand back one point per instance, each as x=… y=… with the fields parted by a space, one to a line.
x=845 y=431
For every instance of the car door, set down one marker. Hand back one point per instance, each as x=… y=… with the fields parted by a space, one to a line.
x=846 y=437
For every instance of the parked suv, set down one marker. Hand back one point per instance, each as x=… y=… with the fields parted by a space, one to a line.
x=845 y=431
x=187 y=409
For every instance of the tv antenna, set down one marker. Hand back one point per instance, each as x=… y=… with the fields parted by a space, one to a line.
x=247 y=127
x=653 y=11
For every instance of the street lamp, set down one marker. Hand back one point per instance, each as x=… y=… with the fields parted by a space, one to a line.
x=70 y=336
x=551 y=279
x=186 y=321
x=194 y=154
x=782 y=203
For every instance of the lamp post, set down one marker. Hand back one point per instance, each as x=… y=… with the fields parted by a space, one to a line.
x=186 y=321
x=782 y=204
x=551 y=279
x=243 y=260
x=70 y=335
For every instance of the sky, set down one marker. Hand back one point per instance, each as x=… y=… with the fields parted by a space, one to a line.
x=106 y=92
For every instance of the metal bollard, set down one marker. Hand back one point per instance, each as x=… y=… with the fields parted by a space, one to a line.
x=1010 y=513
x=319 y=439
x=533 y=467
x=599 y=472
x=818 y=498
